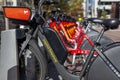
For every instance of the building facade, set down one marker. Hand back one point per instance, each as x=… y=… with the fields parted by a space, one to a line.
x=107 y=6
x=95 y=7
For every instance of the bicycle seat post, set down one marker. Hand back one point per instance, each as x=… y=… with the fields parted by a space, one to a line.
x=88 y=26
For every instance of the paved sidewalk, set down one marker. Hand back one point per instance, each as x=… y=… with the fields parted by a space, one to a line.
x=114 y=34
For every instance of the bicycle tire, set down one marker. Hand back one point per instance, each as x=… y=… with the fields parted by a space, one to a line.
x=111 y=45
x=100 y=71
x=35 y=62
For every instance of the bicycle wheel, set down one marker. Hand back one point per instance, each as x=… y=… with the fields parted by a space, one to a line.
x=32 y=65
x=100 y=71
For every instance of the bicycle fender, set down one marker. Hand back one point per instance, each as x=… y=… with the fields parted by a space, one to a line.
x=64 y=73
x=34 y=44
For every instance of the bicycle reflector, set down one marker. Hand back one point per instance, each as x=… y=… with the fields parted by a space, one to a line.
x=17 y=13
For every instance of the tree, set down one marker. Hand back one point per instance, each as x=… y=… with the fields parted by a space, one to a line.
x=63 y=5
x=75 y=7
x=70 y=7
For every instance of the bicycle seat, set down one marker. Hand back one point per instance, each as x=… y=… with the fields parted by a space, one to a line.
x=95 y=20
x=111 y=23
x=108 y=23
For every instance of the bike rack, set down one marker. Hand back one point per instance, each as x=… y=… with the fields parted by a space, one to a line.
x=8 y=55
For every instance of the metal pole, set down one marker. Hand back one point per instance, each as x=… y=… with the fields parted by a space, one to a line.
x=91 y=8
x=86 y=7
x=6 y=20
x=119 y=10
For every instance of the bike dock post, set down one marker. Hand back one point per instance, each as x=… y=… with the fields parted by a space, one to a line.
x=8 y=56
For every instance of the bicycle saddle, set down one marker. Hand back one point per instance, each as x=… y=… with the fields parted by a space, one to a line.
x=108 y=23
